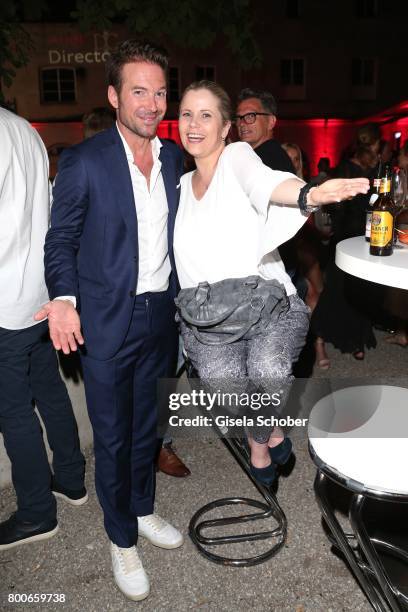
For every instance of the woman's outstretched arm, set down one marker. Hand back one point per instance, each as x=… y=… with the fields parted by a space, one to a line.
x=335 y=190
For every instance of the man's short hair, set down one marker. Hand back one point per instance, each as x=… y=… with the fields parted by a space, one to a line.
x=265 y=97
x=98 y=119
x=368 y=134
x=134 y=50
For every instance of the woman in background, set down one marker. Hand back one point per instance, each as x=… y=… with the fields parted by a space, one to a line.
x=306 y=246
x=342 y=315
x=295 y=154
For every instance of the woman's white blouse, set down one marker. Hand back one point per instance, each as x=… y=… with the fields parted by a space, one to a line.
x=234 y=231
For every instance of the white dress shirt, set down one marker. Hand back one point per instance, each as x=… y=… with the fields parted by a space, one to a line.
x=234 y=231
x=152 y=212
x=24 y=218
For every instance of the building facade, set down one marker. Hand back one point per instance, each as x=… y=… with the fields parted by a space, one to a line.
x=329 y=64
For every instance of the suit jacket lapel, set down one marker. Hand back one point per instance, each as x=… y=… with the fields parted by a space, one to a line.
x=169 y=178
x=117 y=167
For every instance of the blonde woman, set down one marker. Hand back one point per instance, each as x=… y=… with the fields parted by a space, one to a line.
x=295 y=154
x=234 y=212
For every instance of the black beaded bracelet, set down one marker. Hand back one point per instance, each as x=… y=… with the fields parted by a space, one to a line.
x=305 y=209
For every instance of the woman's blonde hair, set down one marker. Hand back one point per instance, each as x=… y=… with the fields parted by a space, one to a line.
x=293 y=145
x=224 y=101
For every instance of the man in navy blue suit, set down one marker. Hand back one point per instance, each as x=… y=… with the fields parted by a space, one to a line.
x=111 y=277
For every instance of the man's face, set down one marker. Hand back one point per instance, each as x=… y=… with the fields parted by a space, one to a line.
x=141 y=102
x=255 y=133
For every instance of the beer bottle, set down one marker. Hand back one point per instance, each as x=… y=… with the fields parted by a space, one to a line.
x=382 y=219
x=374 y=195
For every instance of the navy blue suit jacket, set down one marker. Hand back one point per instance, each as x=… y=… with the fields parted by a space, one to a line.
x=91 y=248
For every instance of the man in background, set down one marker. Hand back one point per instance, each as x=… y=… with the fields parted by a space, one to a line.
x=98 y=119
x=256 y=119
x=28 y=364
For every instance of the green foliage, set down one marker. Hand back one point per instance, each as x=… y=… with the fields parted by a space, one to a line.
x=15 y=48
x=15 y=43
x=191 y=24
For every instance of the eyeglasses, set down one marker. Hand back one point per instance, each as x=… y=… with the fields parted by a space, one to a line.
x=249 y=118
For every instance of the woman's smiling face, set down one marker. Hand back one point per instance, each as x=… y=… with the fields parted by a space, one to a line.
x=201 y=126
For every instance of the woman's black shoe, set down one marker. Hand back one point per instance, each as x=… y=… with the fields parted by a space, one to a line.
x=280 y=454
x=266 y=475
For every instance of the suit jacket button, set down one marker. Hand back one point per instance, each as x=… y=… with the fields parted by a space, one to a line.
x=132 y=293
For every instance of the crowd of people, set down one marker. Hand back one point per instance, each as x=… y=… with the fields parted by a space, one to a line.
x=130 y=231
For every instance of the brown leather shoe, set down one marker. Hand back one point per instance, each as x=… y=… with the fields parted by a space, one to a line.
x=169 y=463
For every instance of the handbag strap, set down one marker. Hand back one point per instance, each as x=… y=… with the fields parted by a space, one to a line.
x=208 y=322
x=199 y=335
x=201 y=296
x=257 y=305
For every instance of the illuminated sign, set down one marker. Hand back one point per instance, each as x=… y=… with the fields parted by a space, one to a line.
x=102 y=44
x=56 y=56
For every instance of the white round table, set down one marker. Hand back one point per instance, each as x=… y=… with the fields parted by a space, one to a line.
x=353 y=256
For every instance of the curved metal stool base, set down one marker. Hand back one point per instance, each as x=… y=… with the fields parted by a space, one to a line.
x=269 y=507
x=195 y=530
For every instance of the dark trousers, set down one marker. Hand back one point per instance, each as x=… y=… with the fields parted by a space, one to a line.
x=29 y=373
x=121 y=395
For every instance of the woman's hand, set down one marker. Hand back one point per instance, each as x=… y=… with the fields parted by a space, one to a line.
x=337 y=190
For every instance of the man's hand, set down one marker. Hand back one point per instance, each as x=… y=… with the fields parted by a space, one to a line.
x=337 y=190
x=64 y=324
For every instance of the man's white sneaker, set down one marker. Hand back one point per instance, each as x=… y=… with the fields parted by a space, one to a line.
x=158 y=531
x=129 y=573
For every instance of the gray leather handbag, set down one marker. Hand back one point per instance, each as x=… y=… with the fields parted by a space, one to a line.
x=231 y=309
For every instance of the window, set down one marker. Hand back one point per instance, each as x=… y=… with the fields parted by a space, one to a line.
x=292 y=9
x=362 y=72
x=363 y=78
x=174 y=84
x=292 y=79
x=205 y=72
x=365 y=8
x=292 y=71
x=58 y=85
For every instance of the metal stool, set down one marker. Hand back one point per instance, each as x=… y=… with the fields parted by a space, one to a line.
x=352 y=441
x=270 y=507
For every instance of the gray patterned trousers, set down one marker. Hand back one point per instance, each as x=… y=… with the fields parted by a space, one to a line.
x=263 y=362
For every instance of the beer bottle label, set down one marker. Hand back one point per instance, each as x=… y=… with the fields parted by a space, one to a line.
x=381 y=228
x=368 y=224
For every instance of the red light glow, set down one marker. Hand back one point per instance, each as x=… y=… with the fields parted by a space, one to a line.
x=318 y=137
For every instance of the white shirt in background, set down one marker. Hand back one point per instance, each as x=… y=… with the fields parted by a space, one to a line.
x=24 y=218
x=234 y=230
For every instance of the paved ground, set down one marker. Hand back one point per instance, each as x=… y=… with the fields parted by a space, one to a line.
x=304 y=577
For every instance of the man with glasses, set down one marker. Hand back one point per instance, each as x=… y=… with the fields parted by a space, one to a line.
x=255 y=119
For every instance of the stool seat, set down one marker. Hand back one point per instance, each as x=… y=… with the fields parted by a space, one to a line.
x=357 y=434
x=355 y=441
